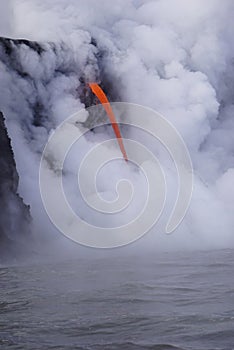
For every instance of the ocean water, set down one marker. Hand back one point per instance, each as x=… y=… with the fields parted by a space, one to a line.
x=156 y=301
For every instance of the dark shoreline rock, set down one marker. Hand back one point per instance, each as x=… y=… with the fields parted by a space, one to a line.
x=15 y=216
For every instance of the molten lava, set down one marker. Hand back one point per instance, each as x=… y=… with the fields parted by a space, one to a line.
x=106 y=104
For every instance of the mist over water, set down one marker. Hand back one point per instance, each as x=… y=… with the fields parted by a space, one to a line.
x=173 y=56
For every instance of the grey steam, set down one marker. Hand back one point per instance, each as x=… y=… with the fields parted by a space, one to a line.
x=175 y=56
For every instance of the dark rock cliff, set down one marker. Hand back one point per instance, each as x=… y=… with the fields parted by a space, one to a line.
x=14 y=55
x=14 y=214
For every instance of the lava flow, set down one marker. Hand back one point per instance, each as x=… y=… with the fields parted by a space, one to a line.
x=96 y=89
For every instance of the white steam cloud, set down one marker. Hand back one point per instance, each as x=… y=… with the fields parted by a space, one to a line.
x=175 y=56
x=6 y=18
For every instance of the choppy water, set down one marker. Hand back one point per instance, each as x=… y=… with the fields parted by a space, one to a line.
x=171 y=301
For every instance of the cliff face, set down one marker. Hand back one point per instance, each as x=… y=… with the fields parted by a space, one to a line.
x=14 y=214
x=42 y=83
x=29 y=70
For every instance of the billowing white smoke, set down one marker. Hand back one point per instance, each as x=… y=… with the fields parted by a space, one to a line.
x=6 y=16
x=175 y=56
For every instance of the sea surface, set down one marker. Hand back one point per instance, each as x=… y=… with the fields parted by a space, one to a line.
x=158 y=301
